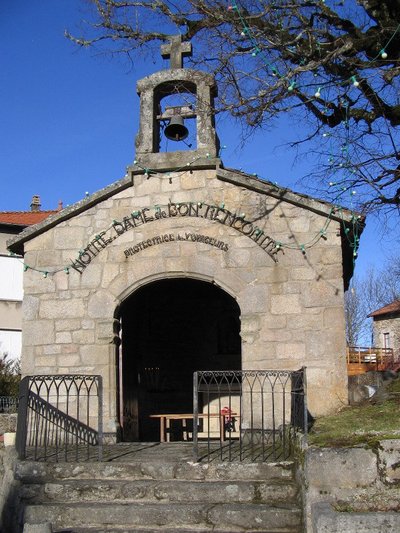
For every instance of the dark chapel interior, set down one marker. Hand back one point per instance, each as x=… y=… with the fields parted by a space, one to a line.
x=169 y=329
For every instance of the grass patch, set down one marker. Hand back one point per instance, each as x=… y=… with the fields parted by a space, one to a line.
x=367 y=424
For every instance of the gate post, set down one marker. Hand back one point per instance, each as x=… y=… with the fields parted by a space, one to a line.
x=100 y=417
x=305 y=428
x=22 y=418
x=195 y=417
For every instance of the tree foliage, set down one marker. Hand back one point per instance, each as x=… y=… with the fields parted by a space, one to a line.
x=374 y=290
x=10 y=376
x=335 y=64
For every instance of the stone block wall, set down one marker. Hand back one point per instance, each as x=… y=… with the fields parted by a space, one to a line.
x=291 y=302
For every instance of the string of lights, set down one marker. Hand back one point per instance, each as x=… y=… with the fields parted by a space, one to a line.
x=258 y=51
x=338 y=163
x=341 y=171
x=352 y=234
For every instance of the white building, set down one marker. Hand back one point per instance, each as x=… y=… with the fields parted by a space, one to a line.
x=11 y=274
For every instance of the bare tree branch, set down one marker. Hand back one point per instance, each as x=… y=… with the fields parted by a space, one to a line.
x=334 y=65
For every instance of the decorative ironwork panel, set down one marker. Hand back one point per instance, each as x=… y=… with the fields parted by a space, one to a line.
x=248 y=415
x=60 y=418
x=8 y=404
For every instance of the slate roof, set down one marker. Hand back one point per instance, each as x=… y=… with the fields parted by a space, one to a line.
x=392 y=308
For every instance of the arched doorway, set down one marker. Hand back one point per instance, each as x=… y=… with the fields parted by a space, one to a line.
x=169 y=329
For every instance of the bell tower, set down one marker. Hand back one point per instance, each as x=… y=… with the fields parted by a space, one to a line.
x=192 y=93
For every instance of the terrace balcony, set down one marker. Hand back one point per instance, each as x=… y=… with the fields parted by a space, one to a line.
x=361 y=360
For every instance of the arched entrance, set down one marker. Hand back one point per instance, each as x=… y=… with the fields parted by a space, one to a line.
x=169 y=329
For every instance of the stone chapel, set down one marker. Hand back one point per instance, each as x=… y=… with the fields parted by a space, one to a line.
x=184 y=265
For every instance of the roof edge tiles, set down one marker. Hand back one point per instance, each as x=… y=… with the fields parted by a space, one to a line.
x=24 y=218
x=393 y=307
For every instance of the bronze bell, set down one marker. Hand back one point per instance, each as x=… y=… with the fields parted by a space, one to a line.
x=176 y=129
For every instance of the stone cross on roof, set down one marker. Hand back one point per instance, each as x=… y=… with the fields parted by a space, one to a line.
x=176 y=50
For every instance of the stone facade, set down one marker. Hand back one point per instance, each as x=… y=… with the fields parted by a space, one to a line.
x=291 y=303
x=282 y=258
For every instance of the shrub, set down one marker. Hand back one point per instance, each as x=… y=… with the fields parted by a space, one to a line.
x=10 y=376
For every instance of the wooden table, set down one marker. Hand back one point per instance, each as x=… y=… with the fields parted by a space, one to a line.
x=165 y=423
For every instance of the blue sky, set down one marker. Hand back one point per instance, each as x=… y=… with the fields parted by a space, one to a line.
x=68 y=119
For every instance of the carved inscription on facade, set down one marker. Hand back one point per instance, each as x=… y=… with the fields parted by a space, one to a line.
x=172 y=210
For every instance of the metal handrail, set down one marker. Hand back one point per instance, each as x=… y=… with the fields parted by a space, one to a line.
x=55 y=417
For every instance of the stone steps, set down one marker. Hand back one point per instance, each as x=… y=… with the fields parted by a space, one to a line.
x=163 y=491
x=193 y=516
x=156 y=494
x=37 y=472
x=142 y=529
x=193 y=529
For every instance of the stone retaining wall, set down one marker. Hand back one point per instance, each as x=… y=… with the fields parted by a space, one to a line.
x=354 y=481
x=326 y=520
x=8 y=488
x=8 y=423
x=345 y=490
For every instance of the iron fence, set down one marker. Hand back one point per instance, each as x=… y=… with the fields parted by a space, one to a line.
x=8 y=404
x=60 y=418
x=249 y=415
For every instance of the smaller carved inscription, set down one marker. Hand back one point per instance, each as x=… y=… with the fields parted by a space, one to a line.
x=171 y=237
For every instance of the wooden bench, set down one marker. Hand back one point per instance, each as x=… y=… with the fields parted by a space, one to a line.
x=165 y=423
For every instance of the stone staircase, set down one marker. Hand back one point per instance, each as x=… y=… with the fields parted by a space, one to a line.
x=159 y=492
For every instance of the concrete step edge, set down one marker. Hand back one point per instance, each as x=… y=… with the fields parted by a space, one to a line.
x=174 y=530
x=195 y=483
x=152 y=491
x=37 y=472
x=78 y=505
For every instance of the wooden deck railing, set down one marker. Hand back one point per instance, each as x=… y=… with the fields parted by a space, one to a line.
x=360 y=359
